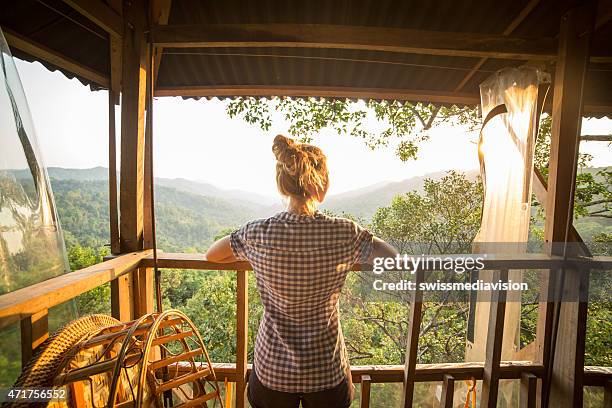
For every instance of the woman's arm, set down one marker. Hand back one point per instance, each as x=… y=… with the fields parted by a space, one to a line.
x=381 y=250
x=221 y=251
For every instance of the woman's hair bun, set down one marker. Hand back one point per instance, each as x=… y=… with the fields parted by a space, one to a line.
x=301 y=169
x=285 y=151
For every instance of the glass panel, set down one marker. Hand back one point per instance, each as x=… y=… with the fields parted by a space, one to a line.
x=31 y=241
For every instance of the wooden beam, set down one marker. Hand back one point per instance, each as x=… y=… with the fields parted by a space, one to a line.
x=148 y=193
x=604 y=13
x=566 y=124
x=608 y=394
x=412 y=341
x=497 y=261
x=116 y=45
x=596 y=138
x=414 y=95
x=134 y=73
x=30 y=300
x=495 y=334
x=364 y=395
x=34 y=331
x=99 y=13
x=564 y=357
x=354 y=38
x=46 y=54
x=595 y=376
x=540 y=190
x=242 y=336
x=448 y=391
x=509 y=370
x=527 y=397
x=516 y=21
x=321 y=91
x=122 y=299
x=112 y=176
x=160 y=15
x=142 y=284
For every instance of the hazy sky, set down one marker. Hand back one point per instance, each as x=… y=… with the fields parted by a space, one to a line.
x=197 y=140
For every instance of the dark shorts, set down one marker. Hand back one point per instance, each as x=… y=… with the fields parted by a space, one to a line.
x=261 y=396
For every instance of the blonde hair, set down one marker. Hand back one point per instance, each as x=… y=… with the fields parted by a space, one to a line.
x=301 y=169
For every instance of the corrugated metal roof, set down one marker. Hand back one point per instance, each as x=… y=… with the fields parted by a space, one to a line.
x=56 y=25
x=59 y=27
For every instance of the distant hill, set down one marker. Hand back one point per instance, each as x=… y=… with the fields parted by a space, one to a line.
x=363 y=202
x=207 y=189
x=61 y=173
x=185 y=220
x=190 y=213
x=257 y=201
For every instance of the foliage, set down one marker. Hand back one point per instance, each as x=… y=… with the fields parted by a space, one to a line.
x=404 y=122
x=443 y=219
x=185 y=221
x=96 y=300
x=593 y=195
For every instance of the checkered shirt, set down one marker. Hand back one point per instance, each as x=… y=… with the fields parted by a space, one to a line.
x=300 y=264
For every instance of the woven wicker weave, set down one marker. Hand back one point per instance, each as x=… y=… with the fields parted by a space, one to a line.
x=43 y=366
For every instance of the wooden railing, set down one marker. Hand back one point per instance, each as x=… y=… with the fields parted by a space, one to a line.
x=29 y=306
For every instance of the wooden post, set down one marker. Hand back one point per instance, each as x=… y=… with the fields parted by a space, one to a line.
x=142 y=281
x=34 y=330
x=567 y=368
x=412 y=346
x=364 y=397
x=134 y=73
x=242 y=336
x=608 y=394
x=112 y=176
x=495 y=334
x=121 y=298
x=133 y=84
x=160 y=15
x=529 y=384
x=448 y=391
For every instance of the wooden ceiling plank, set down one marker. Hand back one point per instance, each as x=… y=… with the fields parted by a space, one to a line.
x=509 y=29
x=44 y=53
x=355 y=38
x=320 y=91
x=100 y=14
x=604 y=13
x=161 y=14
x=458 y=98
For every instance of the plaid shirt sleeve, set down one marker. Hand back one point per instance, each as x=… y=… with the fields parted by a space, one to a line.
x=363 y=244
x=238 y=243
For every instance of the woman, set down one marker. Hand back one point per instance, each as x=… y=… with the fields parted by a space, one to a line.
x=300 y=258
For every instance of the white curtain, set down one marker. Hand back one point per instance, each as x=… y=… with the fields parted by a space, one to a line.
x=506 y=149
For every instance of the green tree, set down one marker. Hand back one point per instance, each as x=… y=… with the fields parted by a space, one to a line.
x=593 y=195
x=404 y=122
x=443 y=219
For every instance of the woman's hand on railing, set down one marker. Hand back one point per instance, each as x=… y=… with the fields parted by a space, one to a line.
x=381 y=249
x=221 y=251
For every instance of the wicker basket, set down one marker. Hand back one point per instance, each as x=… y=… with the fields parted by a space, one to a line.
x=97 y=359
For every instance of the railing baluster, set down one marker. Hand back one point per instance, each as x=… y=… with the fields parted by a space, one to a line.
x=529 y=385
x=364 y=397
x=34 y=330
x=413 y=341
x=242 y=334
x=121 y=307
x=490 y=380
x=608 y=394
x=143 y=291
x=448 y=390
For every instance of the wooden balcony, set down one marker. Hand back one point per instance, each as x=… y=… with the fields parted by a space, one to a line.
x=29 y=306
